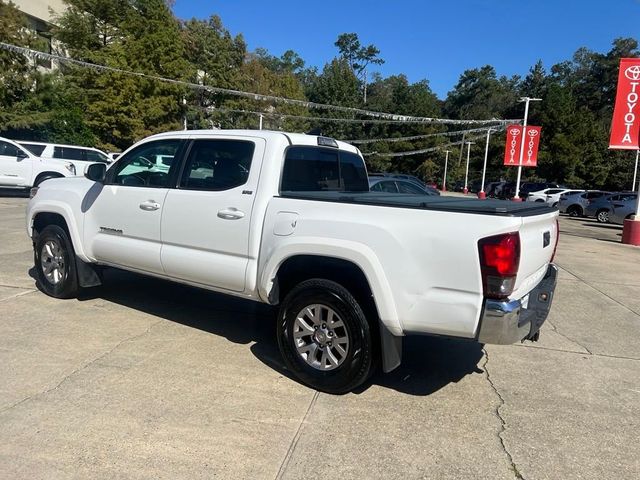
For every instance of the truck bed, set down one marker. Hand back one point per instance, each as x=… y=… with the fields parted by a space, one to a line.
x=428 y=202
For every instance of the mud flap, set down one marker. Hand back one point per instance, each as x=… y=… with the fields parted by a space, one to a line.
x=88 y=275
x=391 y=349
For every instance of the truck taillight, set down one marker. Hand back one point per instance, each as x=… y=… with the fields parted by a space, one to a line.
x=499 y=261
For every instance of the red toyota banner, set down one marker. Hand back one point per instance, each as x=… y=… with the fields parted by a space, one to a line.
x=532 y=142
x=625 y=126
x=514 y=144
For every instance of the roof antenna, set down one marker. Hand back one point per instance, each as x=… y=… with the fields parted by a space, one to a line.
x=315 y=131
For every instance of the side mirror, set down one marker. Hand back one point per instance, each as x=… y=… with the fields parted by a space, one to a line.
x=96 y=172
x=22 y=154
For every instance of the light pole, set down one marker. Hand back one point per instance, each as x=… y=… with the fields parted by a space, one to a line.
x=444 y=178
x=465 y=190
x=631 y=226
x=184 y=103
x=481 y=194
x=635 y=172
x=260 y=126
x=516 y=197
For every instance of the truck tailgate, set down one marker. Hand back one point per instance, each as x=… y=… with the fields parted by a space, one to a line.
x=538 y=237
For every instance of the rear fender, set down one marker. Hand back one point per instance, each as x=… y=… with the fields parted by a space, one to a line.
x=358 y=254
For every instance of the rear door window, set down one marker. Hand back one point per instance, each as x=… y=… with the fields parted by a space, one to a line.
x=217 y=165
x=68 y=153
x=406 y=187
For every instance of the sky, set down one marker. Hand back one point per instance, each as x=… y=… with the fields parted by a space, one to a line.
x=434 y=40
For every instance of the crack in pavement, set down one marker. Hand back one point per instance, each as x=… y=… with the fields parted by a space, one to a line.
x=15 y=286
x=80 y=369
x=503 y=423
x=18 y=295
x=555 y=329
x=600 y=291
x=296 y=438
x=595 y=355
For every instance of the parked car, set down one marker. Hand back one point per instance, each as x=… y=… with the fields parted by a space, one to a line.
x=494 y=189
x=71 y=153
x=391 y=185
x=401 y=176
x=576 y=203
x=288 y=219
x=602 y=207
x=509 y=190
x=623 y=210
x=21 y=169
x=550 y=195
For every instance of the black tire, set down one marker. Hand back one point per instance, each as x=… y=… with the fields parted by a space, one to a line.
x=575 y=211
x=65 y=285
x=602 y=216
x=356 y=365
x=41 y=179
x=539 y=200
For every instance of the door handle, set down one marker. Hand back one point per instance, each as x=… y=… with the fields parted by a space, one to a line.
x=230 y=213
x=149 y=206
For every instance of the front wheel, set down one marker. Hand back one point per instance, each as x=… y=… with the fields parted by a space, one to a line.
x=55 y=263
x=324 y=337
x=44 y=178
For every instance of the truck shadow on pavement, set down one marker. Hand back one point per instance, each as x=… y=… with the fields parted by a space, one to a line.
x=429 y=363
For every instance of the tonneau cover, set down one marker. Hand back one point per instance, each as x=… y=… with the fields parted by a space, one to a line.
x=429 y=202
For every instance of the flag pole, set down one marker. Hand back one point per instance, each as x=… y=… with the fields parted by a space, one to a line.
x=516 y=197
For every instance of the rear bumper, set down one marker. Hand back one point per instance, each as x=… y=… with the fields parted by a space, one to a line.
x=510 y=322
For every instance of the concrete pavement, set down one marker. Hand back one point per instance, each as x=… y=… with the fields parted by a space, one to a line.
x=147 y=379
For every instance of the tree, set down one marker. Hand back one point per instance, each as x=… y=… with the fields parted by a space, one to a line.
x=142 y=36
x=16 y=71
x=358 y=57
x=480 y=94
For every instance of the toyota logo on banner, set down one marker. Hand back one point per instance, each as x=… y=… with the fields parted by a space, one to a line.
x=632 y=73
x=513 y=146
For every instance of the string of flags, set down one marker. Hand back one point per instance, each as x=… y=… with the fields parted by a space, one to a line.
x=425 y=150
x=388 y=117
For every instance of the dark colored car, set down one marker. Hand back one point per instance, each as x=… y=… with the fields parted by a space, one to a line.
x=602 y=207
x=396 y=185
x=575 y=204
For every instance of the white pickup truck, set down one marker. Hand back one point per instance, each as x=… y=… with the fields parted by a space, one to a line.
x=288 y=219
x=21 y=169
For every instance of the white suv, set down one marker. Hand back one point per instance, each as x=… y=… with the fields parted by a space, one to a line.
x=20 y=168
x=550 y=195
x=70 y=153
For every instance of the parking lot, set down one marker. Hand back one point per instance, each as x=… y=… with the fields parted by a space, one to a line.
x=146 y=379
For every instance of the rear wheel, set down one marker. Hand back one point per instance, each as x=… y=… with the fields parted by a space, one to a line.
x=602 y=216
x=574 y=211
x=324 y=337
x=55 y=263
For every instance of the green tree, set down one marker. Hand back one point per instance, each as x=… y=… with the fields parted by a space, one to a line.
x=141 y=36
